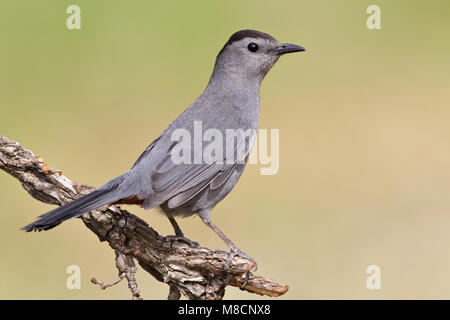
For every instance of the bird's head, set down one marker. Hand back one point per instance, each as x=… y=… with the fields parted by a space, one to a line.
x=251 y=54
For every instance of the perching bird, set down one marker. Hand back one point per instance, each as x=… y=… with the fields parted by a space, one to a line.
x=230 y=101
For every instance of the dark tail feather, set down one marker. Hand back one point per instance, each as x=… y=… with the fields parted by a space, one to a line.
x=96 y=199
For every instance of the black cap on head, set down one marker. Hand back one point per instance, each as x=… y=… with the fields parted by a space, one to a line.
x=248 y=34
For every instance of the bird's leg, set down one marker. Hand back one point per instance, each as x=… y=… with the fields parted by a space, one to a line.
x=176 y=227
x=179 y=234
x=234 y=249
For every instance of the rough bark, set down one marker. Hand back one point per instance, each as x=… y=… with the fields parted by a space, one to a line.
x=187 y=268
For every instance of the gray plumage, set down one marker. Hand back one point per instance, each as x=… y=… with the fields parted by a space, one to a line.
x=230 y=101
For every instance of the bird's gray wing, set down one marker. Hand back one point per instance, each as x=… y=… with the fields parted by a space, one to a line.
x=146 y=151
x=179 y=183
x=214 y=183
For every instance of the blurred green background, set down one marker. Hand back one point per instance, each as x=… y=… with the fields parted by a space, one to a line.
x=364 y=138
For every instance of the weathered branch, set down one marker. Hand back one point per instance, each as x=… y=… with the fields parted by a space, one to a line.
x=195 y=272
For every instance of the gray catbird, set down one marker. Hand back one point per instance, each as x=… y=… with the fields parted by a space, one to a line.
x=230 y=101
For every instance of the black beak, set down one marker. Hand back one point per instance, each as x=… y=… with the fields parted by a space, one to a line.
x=288 y=48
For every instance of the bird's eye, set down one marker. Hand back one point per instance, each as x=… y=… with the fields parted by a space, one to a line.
x=252 y=47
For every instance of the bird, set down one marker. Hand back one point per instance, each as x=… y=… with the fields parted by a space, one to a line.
x=230 y=101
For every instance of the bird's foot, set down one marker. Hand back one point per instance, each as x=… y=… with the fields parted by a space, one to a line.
x=236 y=252
x=182 y=239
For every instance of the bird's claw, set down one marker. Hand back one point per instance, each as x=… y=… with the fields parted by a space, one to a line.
x=231 y=255
x=237 y=252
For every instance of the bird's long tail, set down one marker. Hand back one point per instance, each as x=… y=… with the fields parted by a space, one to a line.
x=104 y=195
